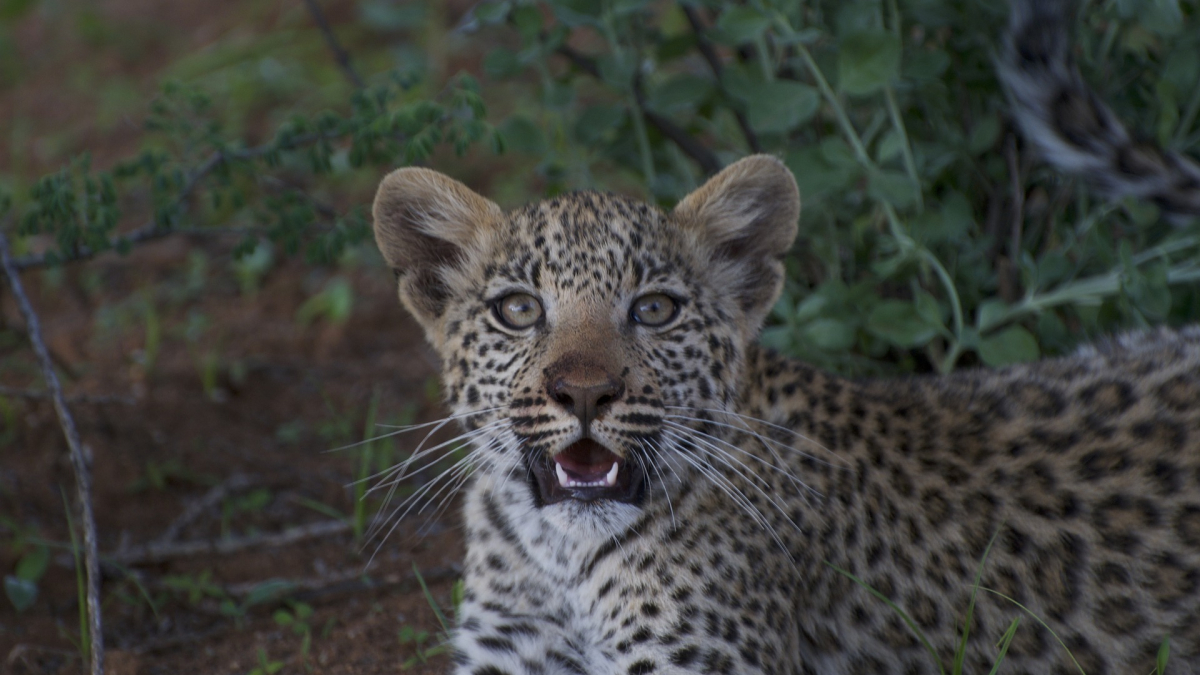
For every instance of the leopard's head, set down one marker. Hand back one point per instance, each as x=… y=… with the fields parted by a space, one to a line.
x=581 y=337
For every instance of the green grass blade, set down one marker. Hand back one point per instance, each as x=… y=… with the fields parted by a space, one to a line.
x=432 y=603
x=1043 y=624
x=912 y=625
x=1005 y=641
x=960 y=654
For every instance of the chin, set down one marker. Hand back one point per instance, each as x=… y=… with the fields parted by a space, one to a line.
x=597 y=520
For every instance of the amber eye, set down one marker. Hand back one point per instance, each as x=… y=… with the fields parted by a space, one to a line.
x=654 y=309
x=518 y=310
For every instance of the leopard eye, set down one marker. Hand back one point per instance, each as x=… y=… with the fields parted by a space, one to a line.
x=518 y=310
x=654 y=309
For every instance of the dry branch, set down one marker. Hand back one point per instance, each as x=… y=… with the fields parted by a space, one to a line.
x=210 y=500
x=17 y=392
x=339 y=53
x=160 y=551
x=714 y=64
x=83 y=479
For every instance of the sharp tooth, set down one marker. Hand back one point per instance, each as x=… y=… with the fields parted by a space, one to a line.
x=562 y=475
x=610 y=479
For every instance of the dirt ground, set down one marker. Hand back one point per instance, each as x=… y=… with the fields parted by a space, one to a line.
x=211 y=413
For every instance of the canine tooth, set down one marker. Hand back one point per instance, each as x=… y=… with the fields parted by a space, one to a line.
x=610 y=479
x=563 y=480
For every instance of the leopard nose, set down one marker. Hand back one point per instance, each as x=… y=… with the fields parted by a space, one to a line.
x=586 y=400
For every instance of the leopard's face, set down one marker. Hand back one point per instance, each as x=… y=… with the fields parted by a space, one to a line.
x=582 y=337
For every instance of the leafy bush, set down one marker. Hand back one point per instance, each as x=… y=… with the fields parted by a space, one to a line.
x=930 y=238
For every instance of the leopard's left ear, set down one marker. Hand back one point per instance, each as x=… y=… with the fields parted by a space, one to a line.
x=746 y=215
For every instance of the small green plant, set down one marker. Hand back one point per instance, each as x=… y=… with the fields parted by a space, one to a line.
x=366 y=462
x=196 y=588
x=205 y=351
x=158 y=476
x=439 y=643
x=33 y=557
x=333 y=304
x=266 y=666
x=253 y=501
x=250 y=268
x=295 y=617
x=84 y=641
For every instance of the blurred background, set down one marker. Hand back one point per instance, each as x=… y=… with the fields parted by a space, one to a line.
x=186 y=189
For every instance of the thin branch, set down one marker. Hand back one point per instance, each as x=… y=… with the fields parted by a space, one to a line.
x=714 y=63
x=690 y=146
x=17 y=392
x=160 y=551
x=339 y=53
x=83 y=479
x=209 y=501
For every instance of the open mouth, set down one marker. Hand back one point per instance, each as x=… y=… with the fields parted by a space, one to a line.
x=586 y=471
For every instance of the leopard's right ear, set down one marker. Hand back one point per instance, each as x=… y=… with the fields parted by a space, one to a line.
x=425 y=223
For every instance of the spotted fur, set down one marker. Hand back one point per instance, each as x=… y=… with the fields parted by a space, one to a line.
x=1069 y=486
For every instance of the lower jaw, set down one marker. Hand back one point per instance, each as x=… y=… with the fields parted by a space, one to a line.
x=630 y=487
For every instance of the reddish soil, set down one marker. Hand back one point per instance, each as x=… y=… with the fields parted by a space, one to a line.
x=281 y=394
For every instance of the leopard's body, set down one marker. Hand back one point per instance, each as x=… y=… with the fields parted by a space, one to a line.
x=746 y=488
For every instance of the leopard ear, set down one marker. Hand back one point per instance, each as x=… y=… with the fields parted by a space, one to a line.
x=425 y=223
x=746 y=217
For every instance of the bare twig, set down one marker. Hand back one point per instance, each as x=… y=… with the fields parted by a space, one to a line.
x=1018 y=196
x=346 y=581
x=714 y=64
x=339 y=53
x=690 y=146
x=83 y=479
x=211 y=499
x=16 y=392
x=158 y=552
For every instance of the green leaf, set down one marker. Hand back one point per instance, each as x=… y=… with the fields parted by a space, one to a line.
x=522 y=135
x=598 y=121
x=867 y=60
x=893 y=187
x=900 y=323
x=501 y=62
x=830 y=335
x=739 y=25
x=1011 y=345
x=990 y=313
x=492 y=12
x=817 y=174
x=22 y=593
x=528 y=21
x=574 y=13
x=32 y=565
x=683 y=92
x=984 y=135
x=781 y=105
x=390 y=16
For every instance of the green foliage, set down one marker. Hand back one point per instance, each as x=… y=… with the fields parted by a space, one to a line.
x=917 y=250
x=928 y=240
x=197 y=174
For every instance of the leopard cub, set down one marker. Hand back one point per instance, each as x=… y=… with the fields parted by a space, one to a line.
x=654 y=493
